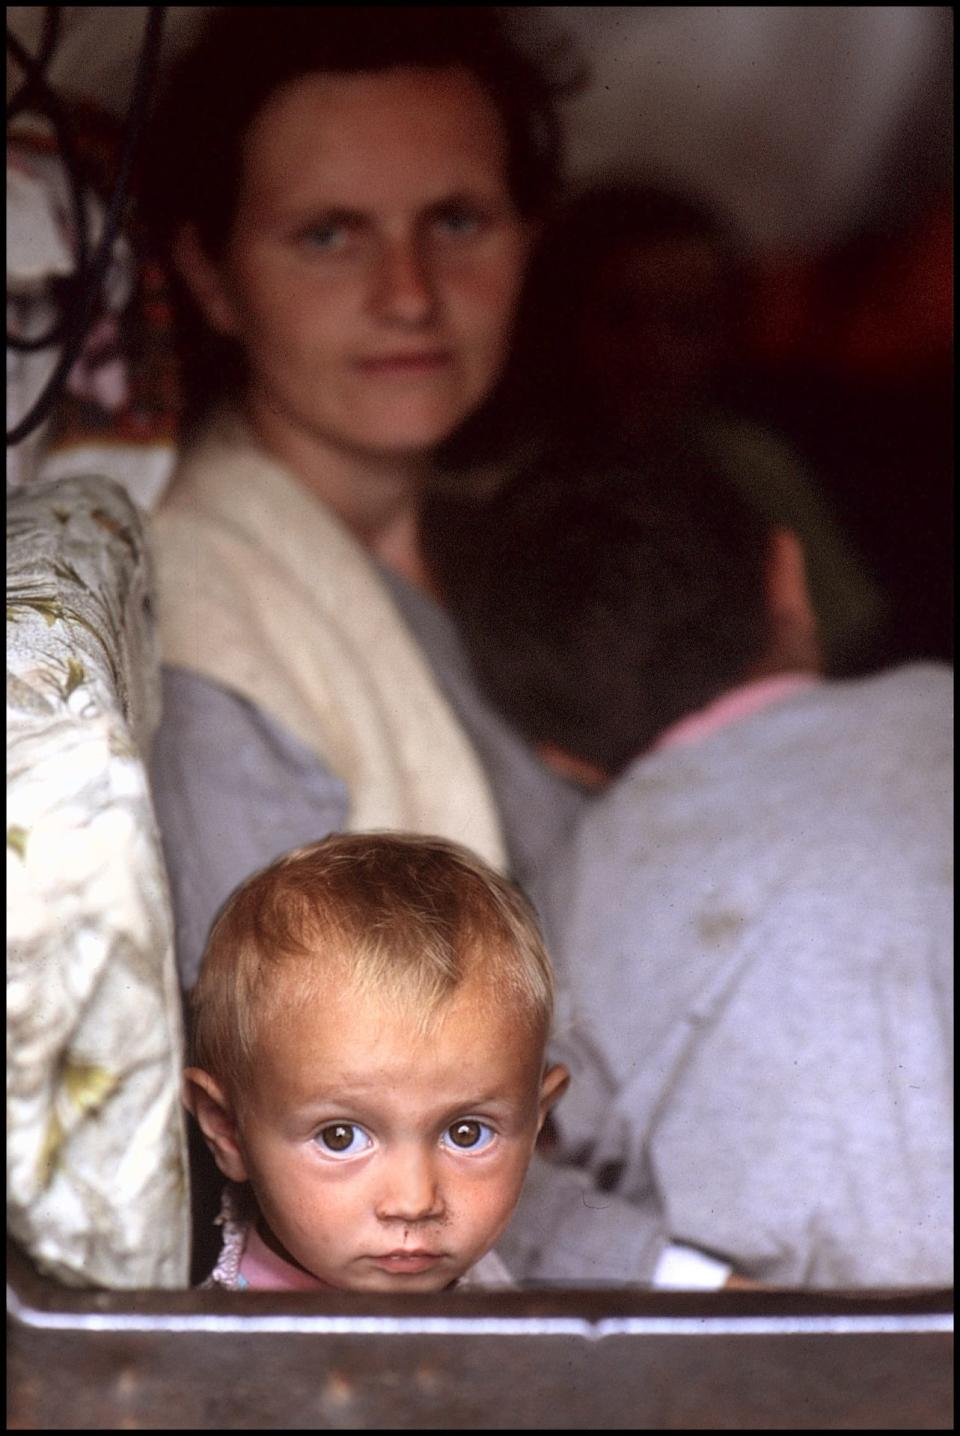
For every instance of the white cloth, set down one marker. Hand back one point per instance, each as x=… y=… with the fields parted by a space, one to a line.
x=263 y=590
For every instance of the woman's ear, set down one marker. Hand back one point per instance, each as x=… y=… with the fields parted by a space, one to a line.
x=210 y=1105
x=205 y=281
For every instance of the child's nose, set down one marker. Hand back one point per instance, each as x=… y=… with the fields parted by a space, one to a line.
x=410 y=1191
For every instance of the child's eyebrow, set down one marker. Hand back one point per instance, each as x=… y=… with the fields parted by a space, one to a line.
x=340 y=1092
x=359 y=1094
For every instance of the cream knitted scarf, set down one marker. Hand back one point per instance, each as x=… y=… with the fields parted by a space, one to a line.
x=263 y=590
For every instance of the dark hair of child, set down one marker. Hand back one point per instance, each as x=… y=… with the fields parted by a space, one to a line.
x=601 y=605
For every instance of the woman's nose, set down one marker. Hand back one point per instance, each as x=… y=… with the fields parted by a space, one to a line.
x=410 y=1189
x=405 y=291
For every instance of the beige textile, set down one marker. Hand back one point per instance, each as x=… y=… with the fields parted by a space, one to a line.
x=96 y=1158
x=263 y=590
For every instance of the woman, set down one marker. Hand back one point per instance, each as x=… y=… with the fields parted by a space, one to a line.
x=348 y=196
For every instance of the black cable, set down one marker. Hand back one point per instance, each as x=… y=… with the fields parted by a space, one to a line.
x=36 y=94
x=34 y=67
x=88 y=278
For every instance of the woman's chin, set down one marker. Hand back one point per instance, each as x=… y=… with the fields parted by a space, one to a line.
x=411 y=426
x=412 y=436
x=414 y=424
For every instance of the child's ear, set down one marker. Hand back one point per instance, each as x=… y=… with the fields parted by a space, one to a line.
x=556 y=1079
x=206 y=1099
x=793 y=618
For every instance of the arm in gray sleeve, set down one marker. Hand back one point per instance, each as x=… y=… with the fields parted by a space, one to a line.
x=566 y=1229
x=232 y=791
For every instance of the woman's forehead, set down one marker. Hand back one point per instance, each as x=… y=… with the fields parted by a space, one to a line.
x=369 y=140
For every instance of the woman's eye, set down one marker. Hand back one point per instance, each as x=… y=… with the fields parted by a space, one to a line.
x=469 y=1135
x=343 y=1139
x=461 y=223
x=325 y=237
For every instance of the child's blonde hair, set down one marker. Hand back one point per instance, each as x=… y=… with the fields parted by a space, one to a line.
x=396 y=915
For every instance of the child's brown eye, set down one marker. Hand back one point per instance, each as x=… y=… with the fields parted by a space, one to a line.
x=338 y=1137
x=343 y=1139
x=469 y=1134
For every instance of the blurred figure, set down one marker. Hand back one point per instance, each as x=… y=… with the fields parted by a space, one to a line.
x=646 y=283
x=631 y=329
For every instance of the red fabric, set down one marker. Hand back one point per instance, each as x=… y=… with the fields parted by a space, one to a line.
x=879 y=308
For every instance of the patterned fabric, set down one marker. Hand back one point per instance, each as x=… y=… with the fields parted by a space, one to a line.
x=97 y=1184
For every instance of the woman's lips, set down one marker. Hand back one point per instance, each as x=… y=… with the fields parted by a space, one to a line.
x=402 y=365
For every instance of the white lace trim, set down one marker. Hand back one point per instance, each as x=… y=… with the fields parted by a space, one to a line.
x=235 y=1226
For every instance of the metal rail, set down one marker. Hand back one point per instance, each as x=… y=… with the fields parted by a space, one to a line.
x=543 y=1360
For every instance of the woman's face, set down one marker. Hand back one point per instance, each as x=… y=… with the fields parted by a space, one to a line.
x=375 y=260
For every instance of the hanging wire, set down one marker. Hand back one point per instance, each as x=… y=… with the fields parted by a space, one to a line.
x=35 y=94
x=84 y=286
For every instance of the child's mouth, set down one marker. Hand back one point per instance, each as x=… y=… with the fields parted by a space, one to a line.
x=403 y=1262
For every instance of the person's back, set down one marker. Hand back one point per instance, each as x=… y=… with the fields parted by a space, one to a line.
x=753 y=933
x=752 y=924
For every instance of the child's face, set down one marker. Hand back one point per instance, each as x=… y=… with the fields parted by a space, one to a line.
x=383 y=1159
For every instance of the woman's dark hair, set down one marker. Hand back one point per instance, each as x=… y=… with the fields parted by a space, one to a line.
x=602 y=598
x=193 y=164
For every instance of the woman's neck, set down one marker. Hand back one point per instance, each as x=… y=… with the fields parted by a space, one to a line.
x=377 y=496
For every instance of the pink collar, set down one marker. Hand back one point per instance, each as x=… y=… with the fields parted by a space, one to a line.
x=731 y=706
x=264 y=1270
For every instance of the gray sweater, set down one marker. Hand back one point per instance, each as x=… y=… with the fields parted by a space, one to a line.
x=754 y=942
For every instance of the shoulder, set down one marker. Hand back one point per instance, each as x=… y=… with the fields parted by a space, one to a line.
x=905 y=713
x=489 y=1272
x=198 y=709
